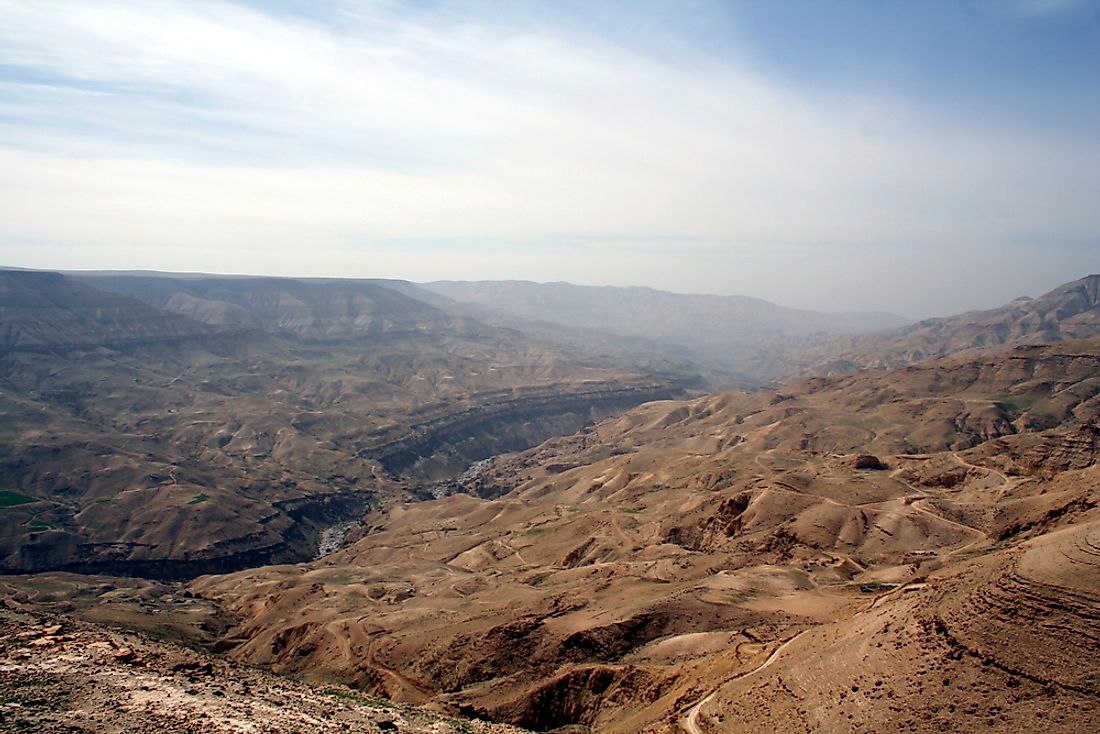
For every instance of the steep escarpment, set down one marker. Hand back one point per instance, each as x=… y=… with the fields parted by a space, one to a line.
x=508 y=422
x=46 y=311
x=141 y=441
x=289 y=533
x=316 y=310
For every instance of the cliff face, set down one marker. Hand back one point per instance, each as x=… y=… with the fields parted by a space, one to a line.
x=48 y=311
x=438 y=446
x=305 y=309
x=141 y=441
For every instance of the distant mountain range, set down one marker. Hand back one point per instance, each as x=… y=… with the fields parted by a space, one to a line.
x=1070 y=311
x=701 y=341
x=742 y=338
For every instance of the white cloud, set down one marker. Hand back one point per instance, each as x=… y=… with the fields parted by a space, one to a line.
x=218 y=133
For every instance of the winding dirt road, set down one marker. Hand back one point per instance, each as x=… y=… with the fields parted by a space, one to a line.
x=690 y=722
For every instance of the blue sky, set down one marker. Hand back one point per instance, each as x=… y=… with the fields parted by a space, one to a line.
x=924 y=157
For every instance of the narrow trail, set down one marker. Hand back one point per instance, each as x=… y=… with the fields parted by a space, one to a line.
x=402 y=682
x=690 y=722
x=949 y=521
x=893 y=593
x=981 y=536
x=1007 y=483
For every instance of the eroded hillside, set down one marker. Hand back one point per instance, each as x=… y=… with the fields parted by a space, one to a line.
x=136 y=440
x=1070 y=311
x=727 y=545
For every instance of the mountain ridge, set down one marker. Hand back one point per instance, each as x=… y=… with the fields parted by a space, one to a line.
x=1069 y=311
x=140 y=441
x=743 y=337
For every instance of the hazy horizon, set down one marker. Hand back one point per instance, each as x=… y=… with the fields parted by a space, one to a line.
x=195 y=273
x=853 y=156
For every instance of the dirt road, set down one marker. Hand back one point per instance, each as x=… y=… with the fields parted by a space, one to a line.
x=690 y=722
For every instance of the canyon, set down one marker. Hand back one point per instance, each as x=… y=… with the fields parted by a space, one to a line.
x=435 y=515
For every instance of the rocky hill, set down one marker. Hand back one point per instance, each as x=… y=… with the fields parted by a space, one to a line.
x=1070 y=311
x=741 y=558
x=59 y=675
x=137 y=440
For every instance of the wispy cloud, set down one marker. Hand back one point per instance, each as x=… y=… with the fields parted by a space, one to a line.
x=195 y=135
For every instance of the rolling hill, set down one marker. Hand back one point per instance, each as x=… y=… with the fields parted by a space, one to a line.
x=616 y=578
x=906 y=548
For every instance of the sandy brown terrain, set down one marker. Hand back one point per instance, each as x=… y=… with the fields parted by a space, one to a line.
x=912 y=550
x=58 y=675
x=637 y=575
x=1005 y=644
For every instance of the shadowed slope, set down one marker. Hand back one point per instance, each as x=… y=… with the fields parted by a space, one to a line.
x=140 y=441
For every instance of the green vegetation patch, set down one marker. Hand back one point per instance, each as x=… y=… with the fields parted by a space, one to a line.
x=9 y=498
x=198 y=498
x=37 y=526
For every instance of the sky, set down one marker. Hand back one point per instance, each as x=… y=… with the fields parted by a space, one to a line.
x=923 y=158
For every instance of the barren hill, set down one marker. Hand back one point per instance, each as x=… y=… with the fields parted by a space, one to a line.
x=1070 y=311
x=856 y=552
x=137 y=440
x=59 y=675
x=314 y=310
